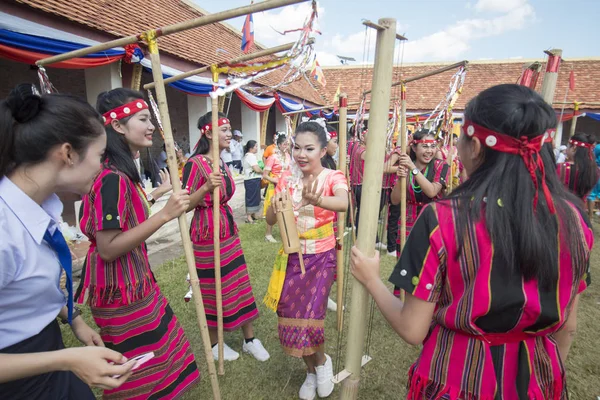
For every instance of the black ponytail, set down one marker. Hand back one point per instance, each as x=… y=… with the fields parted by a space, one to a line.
x=585 y=166
x=31 y=124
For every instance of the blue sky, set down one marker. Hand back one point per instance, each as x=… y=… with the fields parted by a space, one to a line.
x=439 y=30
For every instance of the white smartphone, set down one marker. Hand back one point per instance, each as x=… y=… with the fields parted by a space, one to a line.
x=137 y=361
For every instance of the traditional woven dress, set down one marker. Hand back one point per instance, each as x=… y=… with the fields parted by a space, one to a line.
x=239 y=307
x=275 y=165
x=569 y=176
x=595 y=194
x=127 y=305
x=490 y=335
x=301 y=300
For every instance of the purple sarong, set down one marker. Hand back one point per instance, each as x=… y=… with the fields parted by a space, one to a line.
x=303 y=303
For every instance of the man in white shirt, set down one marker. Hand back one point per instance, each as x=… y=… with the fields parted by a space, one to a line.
x=237 y=150
x=562 y=156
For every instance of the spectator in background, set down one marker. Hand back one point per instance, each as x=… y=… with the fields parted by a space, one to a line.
x=162 y=158
x=561 y=157
x=252 y=178
x=237 y=151
x=226 y=156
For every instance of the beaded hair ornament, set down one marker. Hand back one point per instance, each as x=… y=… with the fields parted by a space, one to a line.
x=126 y=110
x=208 y=127
x=525 y=147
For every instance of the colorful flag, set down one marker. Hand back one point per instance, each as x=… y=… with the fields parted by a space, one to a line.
x=248 y=34
x=572 y=81
x=317 y=73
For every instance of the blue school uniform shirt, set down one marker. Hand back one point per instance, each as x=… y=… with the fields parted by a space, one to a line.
x=30 y=294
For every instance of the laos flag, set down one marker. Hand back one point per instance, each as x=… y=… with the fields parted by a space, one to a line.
x=247 y=34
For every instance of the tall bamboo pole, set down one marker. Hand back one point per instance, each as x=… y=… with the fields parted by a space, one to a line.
x=403 y=146
x=245 y=57
x=170 y=29
x=549 y=83
x=161 y=99
x=216 y=161
x=341 y=222
x=371 y=195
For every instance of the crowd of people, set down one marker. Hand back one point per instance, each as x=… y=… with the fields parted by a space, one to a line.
x=495 y=312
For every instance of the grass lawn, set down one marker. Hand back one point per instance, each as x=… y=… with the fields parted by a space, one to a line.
x=383 y=378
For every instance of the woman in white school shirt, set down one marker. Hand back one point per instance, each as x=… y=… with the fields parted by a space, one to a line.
x=50 y=143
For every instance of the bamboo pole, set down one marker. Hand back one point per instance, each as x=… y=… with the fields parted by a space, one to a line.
x=587 y=103
x=170 y=29
x=403 y=146
x=574 y=120
x=245 y=57
x=341 y=222
x=136 y=76
x=161 y=99
x=378 y=27
x=549 y=83
x=216 y=161
x=371 y=195
x=427 y=74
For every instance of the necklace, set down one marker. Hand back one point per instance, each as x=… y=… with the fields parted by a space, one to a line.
x=416 y=187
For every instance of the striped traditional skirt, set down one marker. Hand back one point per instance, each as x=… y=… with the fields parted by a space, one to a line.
x=239 y=307
x=252 y=187
x=303 y=303
x=149 y=325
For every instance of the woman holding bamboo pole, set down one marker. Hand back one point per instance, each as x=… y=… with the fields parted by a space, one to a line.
x=493 y=272
x=300 y=300
x=275 y=165
x=239 y=307
x=117 y=283
x=426 y=178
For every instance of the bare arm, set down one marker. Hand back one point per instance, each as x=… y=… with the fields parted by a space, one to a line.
x=265 y=176
x=257 y=169
x=390 y=166
x=430 y=189
x=564 y=337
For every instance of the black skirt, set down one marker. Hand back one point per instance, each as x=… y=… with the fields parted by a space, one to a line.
x=58 y=385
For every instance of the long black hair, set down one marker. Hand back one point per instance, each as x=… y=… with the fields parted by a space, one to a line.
x=249 y=146
x=31 y=125
x=203 y=146
x=525 y=240
x=586 y=170
x=118 y=153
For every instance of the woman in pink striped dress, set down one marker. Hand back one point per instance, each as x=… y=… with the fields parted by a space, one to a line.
x=127 y=305
x=493 y=273
x=239 y=307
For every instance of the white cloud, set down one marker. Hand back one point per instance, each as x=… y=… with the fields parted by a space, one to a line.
x=287 y=18
x=499 y=6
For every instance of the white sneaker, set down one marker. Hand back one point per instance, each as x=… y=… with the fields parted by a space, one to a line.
x=331 y=305
x=308 y=390
x=188 y=296
x=392 y=253
x=270 y=239
x=324 y=378
x=380 y=246
x=228 y=353
x=256 y=348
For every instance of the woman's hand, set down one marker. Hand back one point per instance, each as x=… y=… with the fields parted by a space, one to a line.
x=165 y=185
x=365 y=269
x=278 y=200
x=406 y=162
x=402 y=172
x=310 y=195
x=214 y=181
x=93 y=365
x=178 y=204
x=85 y=334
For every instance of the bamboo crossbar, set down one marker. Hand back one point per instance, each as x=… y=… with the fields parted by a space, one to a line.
x=373 y=25
x=427 y=74
x=245 y=57
x=170 y=29
x=356 y=103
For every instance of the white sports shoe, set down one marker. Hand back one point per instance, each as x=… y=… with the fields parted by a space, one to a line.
x=392 y=253
x=228 y=353
x=331 y=305
x=324 y=378
x=380 y=246
x=256 y=348
x=188 y=296
x=270 y=239
x=308 y=390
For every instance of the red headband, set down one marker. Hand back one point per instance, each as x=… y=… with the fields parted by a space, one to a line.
x=208 y=127
x=332 y=134
x=524 y=147
x=581 y=144
x=424 y=141
x=125 y=110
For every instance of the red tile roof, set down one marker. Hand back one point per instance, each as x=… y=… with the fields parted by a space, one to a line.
x=425 y=94
x=129 y=17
